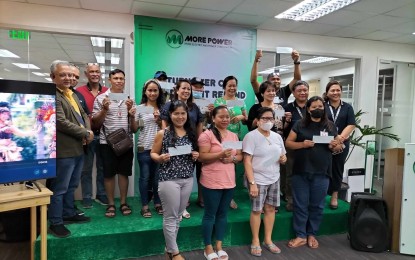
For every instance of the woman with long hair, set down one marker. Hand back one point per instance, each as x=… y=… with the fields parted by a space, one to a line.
x=149 y=124
x=217 y=179
x=175 y=172
x=311 y=171
x=342 y=115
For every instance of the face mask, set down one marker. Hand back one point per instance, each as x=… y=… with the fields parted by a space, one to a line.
x=317 y=113
x=197 y=94
x=266 y=126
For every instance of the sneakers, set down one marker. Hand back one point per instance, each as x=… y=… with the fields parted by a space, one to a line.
x=87 y=203
x=78 y=211
x=76 y=219
x=103 y=200
x=59 y=231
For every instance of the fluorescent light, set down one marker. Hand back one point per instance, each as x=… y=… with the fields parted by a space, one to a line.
x=7 y=54
x=281 y=68
x=100 y=42
x=310 y=10
x=49 y=79
x=319 y=60
x=26 y=66
x=101 y=57
x=1 y=78
x=40 y=74
x=413 y=33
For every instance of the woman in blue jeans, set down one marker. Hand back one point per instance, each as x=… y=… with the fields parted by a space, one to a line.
x=149 y=124
x=311 y=171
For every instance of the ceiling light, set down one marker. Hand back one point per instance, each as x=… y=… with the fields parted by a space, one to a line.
x=319 y=60
x=280 y=68
x=40 y=74
x=310 y=10
x=7 y=54
x=413 y=33
x=49 y=79
x=26 y=66
x=100 y=42
x=101 y=57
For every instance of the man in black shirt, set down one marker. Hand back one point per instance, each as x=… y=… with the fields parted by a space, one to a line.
x=283 y=93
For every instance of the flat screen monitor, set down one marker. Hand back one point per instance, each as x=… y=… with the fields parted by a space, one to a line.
x=27 y=131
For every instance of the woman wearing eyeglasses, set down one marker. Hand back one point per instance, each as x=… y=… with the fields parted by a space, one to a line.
x=342 y=115
x=263 y=153
x=311 y=171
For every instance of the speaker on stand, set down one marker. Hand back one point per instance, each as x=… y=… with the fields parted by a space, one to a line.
x=368 y=225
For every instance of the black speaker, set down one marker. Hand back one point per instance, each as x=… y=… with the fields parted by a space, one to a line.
x=368 y=224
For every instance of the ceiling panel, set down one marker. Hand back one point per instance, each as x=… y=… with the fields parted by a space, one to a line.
x=157 y=10
x=255 y=7
x=170 y=2
x=343 y=17
x=218 y=5
x=279 y=25
x=403 y=39
x=381 y=22
x=405 y=28
x=315 y=28
x=405 y=11
x=243 y=19
x=63 y=3
x=349 y=32
x=201 y=14
x=379 y=35
x=120 y=6
x=377 y=6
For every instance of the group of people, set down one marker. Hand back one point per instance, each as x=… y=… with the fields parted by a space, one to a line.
x=296 y=148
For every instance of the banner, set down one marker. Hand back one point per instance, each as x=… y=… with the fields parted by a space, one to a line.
x=188 y=49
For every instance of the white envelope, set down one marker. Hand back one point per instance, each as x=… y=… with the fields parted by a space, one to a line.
x=166 y=85
x=284 y=50
x=234 y=103
x=118 y=96
x=279 y=112
x=318 y=139
x=201 y=102
x=232 y=145
x=145 y=109
x=179 y=150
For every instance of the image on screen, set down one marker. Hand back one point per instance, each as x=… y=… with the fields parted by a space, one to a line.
x=27 y=131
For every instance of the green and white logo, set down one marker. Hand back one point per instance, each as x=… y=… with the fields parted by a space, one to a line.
x=174 y=38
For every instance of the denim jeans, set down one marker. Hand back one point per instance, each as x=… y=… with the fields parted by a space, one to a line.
x=68 y=173
x=309 y=192
x=216 y=213
x=149 y=179
x=86 y=177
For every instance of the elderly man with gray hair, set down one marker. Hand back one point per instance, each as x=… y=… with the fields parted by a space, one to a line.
x=72 y=132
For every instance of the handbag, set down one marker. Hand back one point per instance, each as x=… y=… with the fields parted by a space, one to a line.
x=119 y=140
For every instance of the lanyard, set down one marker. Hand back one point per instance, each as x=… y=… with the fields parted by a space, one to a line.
x=298 y=110
x=337 y=113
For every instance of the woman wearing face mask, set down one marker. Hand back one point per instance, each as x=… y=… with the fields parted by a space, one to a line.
x=342 y=115
x=311 y=171
x=263 y=153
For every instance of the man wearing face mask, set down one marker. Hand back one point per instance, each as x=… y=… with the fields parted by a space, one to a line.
x=263 y=153
x=198 y=88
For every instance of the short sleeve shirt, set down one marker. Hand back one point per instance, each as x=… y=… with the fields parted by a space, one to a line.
x=233 y=111
x=266 y=152
x=284 y=93
x=343 y=115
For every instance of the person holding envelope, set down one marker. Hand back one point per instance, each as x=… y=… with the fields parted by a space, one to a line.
x=175 y=148
x=312 y=138
x=148 y=116
x=217 y=179
x=263 y=153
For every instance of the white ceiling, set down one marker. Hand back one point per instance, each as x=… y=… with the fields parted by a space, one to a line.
x=380 y=20
x=383 y=20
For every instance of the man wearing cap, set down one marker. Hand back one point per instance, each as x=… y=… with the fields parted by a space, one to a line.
x=283 y=93
x=198 y=88
x=160 y=76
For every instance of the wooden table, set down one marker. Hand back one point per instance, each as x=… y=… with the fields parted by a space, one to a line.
x=19 y=197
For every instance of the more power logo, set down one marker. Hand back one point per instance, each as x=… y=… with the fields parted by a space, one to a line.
x=174 y=38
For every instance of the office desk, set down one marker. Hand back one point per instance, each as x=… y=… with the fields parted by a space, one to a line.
x=19 y=197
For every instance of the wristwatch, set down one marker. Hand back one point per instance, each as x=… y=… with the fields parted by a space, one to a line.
x=252 y=182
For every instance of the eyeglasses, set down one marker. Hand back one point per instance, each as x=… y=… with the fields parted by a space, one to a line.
x=266 y=119
x=92 y=64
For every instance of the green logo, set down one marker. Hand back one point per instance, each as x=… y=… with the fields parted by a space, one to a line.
x=174 y=38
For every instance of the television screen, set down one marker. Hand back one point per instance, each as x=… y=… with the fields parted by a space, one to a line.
x=27 y=131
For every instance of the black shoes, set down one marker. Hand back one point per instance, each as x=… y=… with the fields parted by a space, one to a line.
x=76 y=219
x=59 y=231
